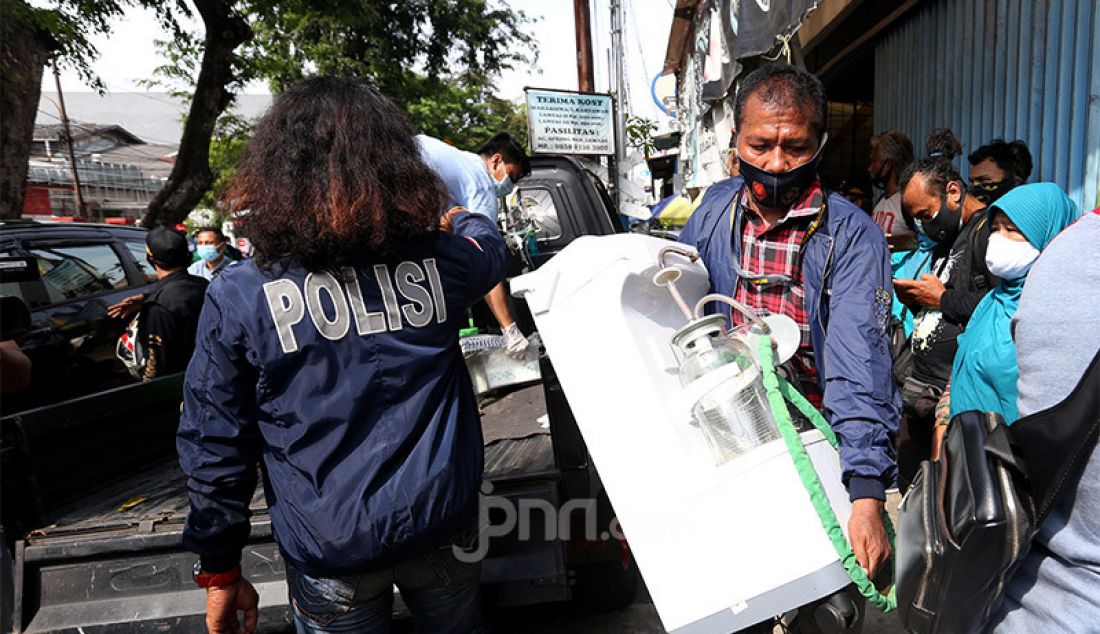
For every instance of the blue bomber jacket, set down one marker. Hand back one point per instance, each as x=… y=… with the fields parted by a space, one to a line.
x=351 y=390
x=848 y=290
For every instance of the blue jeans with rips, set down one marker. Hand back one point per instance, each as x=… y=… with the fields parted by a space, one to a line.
x=443 y=596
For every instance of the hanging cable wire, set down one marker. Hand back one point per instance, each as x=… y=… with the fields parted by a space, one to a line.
x=90 y=126
x=597 y=43
x=638 y=38
x=145 y=95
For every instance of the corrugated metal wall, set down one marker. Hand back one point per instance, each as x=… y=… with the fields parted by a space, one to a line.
x=1015 y=69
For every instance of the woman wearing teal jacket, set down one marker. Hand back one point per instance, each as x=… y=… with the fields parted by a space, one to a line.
x=1023 y=222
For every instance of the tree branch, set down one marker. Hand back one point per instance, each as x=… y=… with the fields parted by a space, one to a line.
x=24 y=49
x=191 y=175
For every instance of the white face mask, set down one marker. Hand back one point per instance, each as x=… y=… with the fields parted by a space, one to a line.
x=1009 y=259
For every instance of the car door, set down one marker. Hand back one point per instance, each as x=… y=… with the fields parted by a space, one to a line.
x=74 y=338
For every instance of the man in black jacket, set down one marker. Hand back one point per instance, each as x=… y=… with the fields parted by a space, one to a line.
x=943 y=300
x=170 y=314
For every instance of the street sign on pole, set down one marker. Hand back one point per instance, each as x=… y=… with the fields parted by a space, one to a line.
x=560 y=122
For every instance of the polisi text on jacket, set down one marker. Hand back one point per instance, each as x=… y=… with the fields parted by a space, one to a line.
x=289 y=304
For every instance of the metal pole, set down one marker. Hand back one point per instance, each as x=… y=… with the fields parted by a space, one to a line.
x=617 y=52
x=583 y=25
x=69 y=140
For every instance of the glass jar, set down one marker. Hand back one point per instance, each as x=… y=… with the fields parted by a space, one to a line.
x=732 y=410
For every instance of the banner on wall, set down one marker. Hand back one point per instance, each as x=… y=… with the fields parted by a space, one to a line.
x=761 y=22
x=570 y=122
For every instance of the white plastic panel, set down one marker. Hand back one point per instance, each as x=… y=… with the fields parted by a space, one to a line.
x=720 y=548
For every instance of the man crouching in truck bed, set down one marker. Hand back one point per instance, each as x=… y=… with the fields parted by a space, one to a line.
x=333 y=356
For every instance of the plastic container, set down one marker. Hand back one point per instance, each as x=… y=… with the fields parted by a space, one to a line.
x=490 y=366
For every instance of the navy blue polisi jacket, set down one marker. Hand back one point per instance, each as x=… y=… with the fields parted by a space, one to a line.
x=848 y=290
x=352 y=391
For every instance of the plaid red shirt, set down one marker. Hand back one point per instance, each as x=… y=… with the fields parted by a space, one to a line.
x=777 y=250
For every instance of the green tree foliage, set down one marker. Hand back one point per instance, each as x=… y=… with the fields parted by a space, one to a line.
x=464 y=114
x=32 y=36
x=639 y=133
x=439 y=59
x=385 y=42
x=74 y=23
x=230 y=139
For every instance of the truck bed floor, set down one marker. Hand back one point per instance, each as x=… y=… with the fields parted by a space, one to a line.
x=515 y=445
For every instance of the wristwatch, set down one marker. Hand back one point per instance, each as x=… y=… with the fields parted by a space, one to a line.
x=214 y=579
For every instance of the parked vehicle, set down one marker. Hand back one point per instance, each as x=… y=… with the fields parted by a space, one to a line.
x=83 y=422
x=113 y=558
x=83 y=269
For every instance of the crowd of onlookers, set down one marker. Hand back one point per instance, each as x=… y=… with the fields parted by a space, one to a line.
x=995 y=283
x=961 y=250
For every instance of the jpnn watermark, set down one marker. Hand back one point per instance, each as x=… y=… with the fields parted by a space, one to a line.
x=525 y=515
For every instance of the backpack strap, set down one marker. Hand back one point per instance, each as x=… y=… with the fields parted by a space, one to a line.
x=981 y=281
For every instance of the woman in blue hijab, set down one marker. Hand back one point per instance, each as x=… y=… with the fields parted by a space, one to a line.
x=1022 y=223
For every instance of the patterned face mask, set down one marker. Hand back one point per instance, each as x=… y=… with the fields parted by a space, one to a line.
x=780 y=189
x=989 y=191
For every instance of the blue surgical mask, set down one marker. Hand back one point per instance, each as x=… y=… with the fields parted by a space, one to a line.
x=504 y=185
x=207 y=252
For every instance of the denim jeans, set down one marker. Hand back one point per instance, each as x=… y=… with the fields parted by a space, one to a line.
x=443 y=596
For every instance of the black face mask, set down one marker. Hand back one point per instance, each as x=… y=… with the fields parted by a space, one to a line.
x=780 y=189
x=880 y=179
x=989 y=191
x=944 y=228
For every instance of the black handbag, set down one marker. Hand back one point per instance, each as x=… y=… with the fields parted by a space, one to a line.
x=900 y=350
x=969 y=517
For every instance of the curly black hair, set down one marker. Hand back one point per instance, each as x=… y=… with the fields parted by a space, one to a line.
x=941 y=143
x=1014 y=158
x=937 y=174
x=333 y=174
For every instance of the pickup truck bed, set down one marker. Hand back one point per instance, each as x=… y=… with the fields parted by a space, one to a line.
x=515 y=444
x=118 y=550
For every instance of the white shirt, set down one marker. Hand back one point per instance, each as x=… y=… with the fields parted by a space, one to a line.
x=887 y=215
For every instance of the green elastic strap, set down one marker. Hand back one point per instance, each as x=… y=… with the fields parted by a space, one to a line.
x=779 y=389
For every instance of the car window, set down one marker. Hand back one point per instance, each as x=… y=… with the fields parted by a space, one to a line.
x=69 y=272
x=11 y=289
x=137 y=249
x=538 y=205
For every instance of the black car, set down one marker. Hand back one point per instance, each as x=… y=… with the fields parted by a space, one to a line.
x=82 y=270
